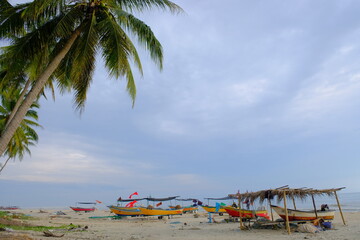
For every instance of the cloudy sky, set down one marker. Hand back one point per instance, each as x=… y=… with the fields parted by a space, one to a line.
x=253 y=95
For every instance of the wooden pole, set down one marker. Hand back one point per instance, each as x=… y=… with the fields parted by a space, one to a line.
x=313 y=200
x=286 y=215
x=293 y=199
x=241 y=223
x=272 y=215
x=339 y=206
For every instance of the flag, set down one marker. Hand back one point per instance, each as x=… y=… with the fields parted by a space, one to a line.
x=158 y=204
x=98 y=201
x=131 y=204
x=135 y=193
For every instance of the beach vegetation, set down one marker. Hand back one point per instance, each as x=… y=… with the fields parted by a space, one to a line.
x=58 y=41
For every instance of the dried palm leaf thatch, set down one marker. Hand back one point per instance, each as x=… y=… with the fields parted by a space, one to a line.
x=296 y=193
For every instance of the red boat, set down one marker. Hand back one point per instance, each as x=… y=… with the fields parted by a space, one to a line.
x=234 y=212
x=9 y=208
x=84 y=209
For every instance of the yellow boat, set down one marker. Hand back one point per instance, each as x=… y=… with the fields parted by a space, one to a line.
x=212 y=209
x=160 y=211
x=125 y=211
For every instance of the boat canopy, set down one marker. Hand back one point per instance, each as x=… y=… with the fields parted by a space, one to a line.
x=223 y=198
x=129 y=199
x=160 y=199
x=186 y=199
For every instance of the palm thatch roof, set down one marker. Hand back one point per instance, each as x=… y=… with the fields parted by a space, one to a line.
x=299 y=193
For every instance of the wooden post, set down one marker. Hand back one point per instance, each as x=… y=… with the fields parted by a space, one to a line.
x=293 y=199
x=241 y=223
x=286 y=215
x=272 y=215
x=338 y=203
x=313 y=200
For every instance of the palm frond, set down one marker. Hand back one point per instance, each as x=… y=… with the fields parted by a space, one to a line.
x=141 y=5
x=144 y=34
x=84 y=62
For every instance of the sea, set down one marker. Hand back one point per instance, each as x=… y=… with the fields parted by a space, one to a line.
x=350 y=202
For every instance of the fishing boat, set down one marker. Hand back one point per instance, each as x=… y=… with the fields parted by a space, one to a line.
x=9 y=208
x=84 y=209
x=298 y=215
x=156 y=211
x=146 y=211
x=187 y=209
x=218 y=207
x=125 y=211
x=214 y=209
x=129 y=209
x=234 y=212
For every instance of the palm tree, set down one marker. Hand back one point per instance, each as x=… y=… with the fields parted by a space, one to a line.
x=25 y=135
x=66 y=36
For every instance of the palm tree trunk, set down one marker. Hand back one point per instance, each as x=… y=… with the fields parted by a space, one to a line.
x=33 y=94
x=18 y=102
x=3 y=166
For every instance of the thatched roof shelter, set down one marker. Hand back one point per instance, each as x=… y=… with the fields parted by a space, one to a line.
x=282 y=193
x=297 y=193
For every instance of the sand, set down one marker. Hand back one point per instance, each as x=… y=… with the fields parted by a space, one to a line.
x=178 y=227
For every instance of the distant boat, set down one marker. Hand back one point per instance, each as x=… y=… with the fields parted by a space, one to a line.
x=9 y=208
x=297 y=215
x=84 y=209
x=234 y=212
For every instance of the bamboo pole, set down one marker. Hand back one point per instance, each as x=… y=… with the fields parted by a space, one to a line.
x=272 y=215
x=338 y=203
x=313 y=200
x=293 y=199
x=286 y=215
x=241 y=223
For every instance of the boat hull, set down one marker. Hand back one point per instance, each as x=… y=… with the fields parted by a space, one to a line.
x=160 y=212
x=212 y=209
x=125 y=211
x=297 y=215
x=80 y=209
x=234 y=212
x=190 y=209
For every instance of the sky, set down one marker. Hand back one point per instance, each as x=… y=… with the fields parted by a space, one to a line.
x=253 y=95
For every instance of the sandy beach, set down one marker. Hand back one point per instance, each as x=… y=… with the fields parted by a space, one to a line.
x=178 y=227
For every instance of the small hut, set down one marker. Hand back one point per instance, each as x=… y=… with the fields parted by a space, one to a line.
x=285 y=193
